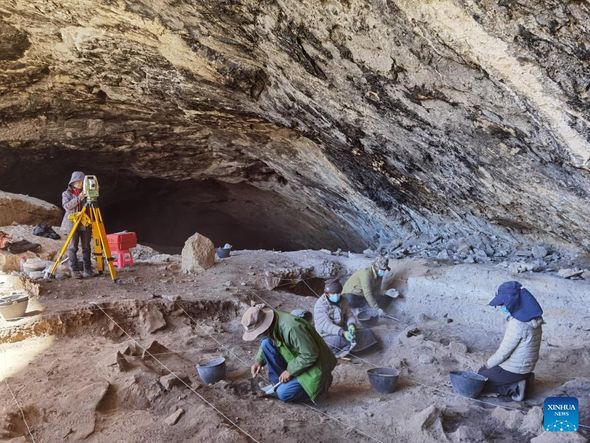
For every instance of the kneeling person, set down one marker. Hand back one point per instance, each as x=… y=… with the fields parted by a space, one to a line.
x=512 y=365
x=334 y=320
x=292 y=351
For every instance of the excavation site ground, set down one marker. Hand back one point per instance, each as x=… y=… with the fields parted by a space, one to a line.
x=98 y=361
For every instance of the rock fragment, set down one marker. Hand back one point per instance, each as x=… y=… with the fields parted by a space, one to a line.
x=570 y=273
x=173 y=418
x=510 y=418
x=151 y=319
x=533 y=421
x=198 y=254
x=427 y=424
x=457 y=347
x=468 y=434
x=171 y=380
x=540 y=252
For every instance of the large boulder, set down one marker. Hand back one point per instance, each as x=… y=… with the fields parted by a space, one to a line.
x=198 y=254
x=25 y=210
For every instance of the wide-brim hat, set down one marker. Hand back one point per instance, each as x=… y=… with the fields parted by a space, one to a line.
x=256 y=320
x=521 y=304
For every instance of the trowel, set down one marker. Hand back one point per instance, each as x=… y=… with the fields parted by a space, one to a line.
x=270 y=390
x=264 y=391
x=345 y=352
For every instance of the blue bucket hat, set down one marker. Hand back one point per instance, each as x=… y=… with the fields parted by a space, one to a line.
x=521 y=304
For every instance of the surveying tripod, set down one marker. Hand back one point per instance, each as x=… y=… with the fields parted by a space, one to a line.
x=90 y=216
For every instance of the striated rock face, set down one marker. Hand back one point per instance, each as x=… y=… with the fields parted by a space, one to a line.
x=365 y=119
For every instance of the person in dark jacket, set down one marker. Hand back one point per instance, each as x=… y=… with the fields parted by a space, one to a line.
x=512 y=365
x=73 y=200
x=292 y=351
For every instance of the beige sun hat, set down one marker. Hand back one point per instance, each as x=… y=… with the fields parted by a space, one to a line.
x=382 y=263
x=256 y=320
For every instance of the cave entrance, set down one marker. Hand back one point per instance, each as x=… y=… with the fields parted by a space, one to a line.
x=165 y=212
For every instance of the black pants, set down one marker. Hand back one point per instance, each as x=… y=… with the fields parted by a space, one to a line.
x=84 y=237
x=501 y=381
x=358 y=301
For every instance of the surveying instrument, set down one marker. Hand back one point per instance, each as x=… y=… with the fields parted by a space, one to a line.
x=90 y=216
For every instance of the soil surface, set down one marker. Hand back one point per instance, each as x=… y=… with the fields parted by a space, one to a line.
x=92 y=360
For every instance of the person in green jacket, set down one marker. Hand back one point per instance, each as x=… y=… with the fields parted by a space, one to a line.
x=364 y=286
x=292 y=351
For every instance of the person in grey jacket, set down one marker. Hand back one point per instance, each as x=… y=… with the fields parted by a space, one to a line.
x=73 y=200
x=512 y=365
x=334 y=320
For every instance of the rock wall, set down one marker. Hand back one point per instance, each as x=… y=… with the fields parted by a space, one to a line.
x=398 y=116
x=22 y=209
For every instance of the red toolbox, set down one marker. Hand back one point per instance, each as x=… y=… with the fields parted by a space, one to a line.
x=122 y=241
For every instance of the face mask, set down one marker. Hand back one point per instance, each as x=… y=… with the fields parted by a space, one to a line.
x=334 y=298
x=381 y=272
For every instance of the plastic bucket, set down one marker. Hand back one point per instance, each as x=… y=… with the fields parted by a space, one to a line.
x=13 y=306
x=368 y=317
x=383 y=379
x=212 y=371
x=467 y=383
x=223 y=252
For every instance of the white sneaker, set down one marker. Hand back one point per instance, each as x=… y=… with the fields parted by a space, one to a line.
x=520 y=388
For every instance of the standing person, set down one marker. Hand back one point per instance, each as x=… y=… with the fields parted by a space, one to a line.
x=334 y=320
x=509 y=368
x=292 y=351
x=72 y=200
x=364 y=286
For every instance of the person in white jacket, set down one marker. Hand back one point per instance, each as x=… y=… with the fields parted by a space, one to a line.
x=512 y=365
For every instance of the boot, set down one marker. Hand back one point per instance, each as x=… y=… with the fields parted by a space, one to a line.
x=87 y=273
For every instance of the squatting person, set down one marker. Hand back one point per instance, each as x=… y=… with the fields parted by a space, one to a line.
x=334 y=320
x=292 y=351
x=364 y=286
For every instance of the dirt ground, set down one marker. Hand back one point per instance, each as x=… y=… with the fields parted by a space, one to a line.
x=91 y=361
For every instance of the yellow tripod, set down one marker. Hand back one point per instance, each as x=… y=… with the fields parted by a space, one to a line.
x=90 y=216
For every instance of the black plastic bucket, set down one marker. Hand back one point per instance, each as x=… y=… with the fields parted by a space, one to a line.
x=383 y=379
x=212 y=371
x=467 y=383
